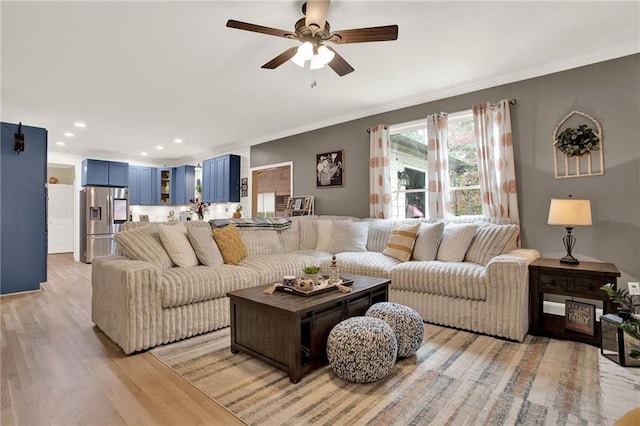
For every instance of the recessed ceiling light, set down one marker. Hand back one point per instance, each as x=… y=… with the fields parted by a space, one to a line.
x=69 y=134
x=60 y=143
x=177 y=140
x=159 y=147
x=79 y=124
x=143 y=153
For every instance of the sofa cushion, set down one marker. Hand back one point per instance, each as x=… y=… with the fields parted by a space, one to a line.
x=308 y=232
x=401 y=241
x=490 y=241
x=290 y=237
x=324 y=234
x=230 y=244
x=272 y=267
x=184 y=286
x=368 y=263
x=455 y=241
x=205 y=246
x=144 y=244
x=380 y=229
x=454 y=279
x=348 y=236
x=261 y=241
x=176 y=242
x=429 y=235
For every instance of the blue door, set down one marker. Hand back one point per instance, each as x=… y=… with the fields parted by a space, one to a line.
x=23 y=233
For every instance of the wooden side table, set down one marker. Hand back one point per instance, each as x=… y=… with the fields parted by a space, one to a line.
x=582 y=281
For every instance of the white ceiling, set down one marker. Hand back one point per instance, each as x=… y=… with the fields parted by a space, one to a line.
x=141 y=74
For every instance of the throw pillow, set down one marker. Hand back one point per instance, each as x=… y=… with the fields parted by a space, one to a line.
x=176 y=243
x=230 y=244
x=348 y=236
x=491 y=241
x=401 y=241
x=456 y=238
x=144 y=244
x=426 y=247
x=205 y=246
x=324 y=234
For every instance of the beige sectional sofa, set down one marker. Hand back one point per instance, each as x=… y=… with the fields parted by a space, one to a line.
x=140 y=304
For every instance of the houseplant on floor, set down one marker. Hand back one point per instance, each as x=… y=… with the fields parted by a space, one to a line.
x=631 y=320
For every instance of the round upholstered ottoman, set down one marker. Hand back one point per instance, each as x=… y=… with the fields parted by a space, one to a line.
x=362 y=349
x=405 y=322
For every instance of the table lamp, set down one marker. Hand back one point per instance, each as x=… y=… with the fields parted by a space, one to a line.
x=569 y=212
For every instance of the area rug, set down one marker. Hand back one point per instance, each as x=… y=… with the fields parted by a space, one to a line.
x=456 y=378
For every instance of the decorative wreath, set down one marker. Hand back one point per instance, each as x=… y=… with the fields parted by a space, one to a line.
x=577 y=141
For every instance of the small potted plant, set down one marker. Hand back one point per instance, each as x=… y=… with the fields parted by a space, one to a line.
x=238 y=213
x=311 y=272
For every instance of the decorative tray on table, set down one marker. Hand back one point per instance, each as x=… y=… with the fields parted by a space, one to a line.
x=323 y=287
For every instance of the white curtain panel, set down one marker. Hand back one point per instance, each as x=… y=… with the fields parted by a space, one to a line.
x=379 y=172
x=438 y=203
x=494 y=144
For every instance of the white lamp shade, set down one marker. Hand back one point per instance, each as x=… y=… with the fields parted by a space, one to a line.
x=316 y=62
x=569 y=212
x=303 y=54
x=326 y=55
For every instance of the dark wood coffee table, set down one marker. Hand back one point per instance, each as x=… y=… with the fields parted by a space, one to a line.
x=290 y=331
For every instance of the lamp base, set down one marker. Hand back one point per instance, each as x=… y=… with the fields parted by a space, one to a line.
x=569 y=260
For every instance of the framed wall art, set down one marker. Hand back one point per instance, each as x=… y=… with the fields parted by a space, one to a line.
x=330 y=169
x=244 y=185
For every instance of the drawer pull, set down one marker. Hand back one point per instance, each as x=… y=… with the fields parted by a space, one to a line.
x=590 y=286
x=552 y=282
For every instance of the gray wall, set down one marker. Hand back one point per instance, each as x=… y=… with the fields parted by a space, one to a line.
x=609 y=91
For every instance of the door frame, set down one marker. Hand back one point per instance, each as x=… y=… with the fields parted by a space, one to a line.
x=253 y=175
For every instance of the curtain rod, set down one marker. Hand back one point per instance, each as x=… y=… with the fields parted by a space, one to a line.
x=512 y=101
x=369 y=129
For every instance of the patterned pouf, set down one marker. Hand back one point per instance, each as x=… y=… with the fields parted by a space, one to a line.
x=405 y=322
x=362 y=349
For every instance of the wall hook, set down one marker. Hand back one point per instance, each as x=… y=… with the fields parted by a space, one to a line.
x=18 y=139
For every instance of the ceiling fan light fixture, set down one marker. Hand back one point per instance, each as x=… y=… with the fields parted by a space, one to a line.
x=326 y=55
x=304 y=53
x=316 y=63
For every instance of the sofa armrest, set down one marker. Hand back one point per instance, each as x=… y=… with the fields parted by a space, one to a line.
x=508 y=292
x=126 y=301
x=502 y=269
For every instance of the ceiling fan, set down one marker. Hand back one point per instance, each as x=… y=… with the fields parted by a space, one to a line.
x=313 y=31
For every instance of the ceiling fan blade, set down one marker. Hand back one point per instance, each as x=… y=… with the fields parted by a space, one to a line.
x=364 y=35
x=316 y=12
x=231 y=23
x=339 y=65
x=281 y=58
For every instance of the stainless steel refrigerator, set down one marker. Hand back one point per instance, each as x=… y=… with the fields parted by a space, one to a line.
x=102 y=212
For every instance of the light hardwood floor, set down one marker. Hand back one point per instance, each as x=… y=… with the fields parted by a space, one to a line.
x=57 y=367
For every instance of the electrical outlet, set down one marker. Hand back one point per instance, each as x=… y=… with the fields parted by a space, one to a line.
x=634 y=288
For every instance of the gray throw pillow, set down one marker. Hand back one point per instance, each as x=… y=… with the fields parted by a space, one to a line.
x=348 y=236
x=205 y=246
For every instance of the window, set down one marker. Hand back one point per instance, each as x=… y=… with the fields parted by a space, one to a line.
x=409 y=167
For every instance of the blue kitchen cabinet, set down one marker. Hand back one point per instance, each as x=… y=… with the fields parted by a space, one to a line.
x=207 y=180
x=134 y=185
x=221 y=179
x=165 y=186
x=184 y=184
x=104 y=173
x=143 y=185
x=118 y=174
x=23 y=209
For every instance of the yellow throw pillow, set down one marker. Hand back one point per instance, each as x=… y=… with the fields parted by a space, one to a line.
x=230 y=244
x=401 y=241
